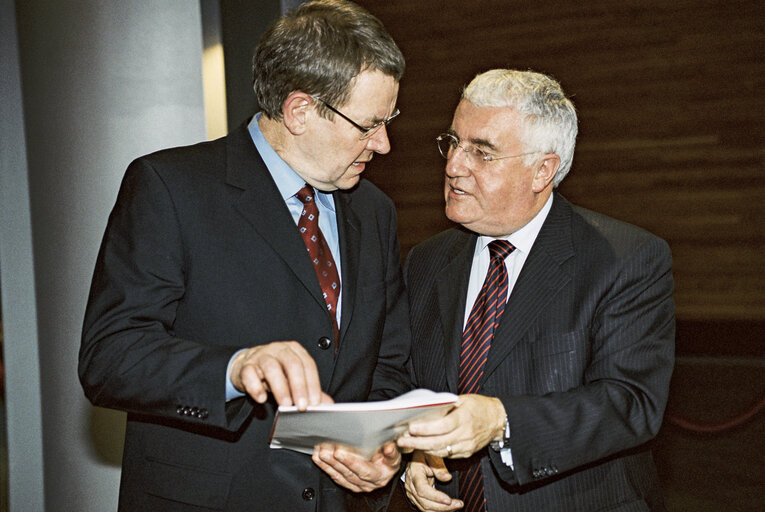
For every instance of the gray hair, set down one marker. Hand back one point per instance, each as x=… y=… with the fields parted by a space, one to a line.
x=550 y=123
x=319 y=49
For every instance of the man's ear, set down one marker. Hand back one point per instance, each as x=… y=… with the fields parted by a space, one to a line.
x=297 y=108
x=545 y=172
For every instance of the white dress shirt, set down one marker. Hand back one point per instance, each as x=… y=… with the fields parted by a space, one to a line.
x=522 y=240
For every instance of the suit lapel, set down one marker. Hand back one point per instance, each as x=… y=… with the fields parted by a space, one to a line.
x=349 y=232
x=261 y=204
x=451 y=286
x=540 y=280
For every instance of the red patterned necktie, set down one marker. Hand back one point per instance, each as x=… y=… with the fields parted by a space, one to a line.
x=321 y=256
x=476 y=341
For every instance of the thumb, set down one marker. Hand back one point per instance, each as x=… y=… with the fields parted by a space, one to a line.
x=438 y=466
x=390 y=453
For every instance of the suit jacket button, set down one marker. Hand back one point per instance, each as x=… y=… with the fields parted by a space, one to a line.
x=308 y=493
x=203 y=414
x=324 y=343
x=195 y=411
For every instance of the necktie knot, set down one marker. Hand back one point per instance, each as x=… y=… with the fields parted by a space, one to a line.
x=500 y=249
x=305 y=194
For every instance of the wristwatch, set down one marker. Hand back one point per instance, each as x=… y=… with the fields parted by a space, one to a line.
x=498 y=445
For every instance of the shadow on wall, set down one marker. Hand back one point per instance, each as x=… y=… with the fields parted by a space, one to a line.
x=107 y=435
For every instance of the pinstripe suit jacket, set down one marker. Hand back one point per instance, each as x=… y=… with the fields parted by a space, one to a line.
x=581 y=360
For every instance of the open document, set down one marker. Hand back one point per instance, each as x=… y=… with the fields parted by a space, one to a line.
x=364 y=426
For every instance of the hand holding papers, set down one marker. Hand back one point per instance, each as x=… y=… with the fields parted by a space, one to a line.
x=364 y=426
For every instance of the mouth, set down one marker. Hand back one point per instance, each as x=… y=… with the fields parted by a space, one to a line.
x=360 y=165
x=457 y=191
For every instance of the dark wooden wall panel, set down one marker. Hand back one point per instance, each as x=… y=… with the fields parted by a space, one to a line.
x=670 y=95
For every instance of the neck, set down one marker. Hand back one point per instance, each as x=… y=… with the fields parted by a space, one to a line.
x=281 y=140
x=273 y=131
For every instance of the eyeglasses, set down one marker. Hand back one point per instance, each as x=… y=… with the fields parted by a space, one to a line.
x=366 y=131
x=447 y=143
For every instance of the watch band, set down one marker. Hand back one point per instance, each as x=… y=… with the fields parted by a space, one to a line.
x=499 y=445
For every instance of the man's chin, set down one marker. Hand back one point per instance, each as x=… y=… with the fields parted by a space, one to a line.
x=453 y=212
x=454 y=217
x=461 y=214
x=348 y=182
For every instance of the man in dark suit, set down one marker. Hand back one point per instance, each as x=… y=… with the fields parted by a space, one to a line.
x=554 y=323
x=217 y=295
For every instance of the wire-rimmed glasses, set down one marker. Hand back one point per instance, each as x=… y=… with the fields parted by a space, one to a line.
x=366 y=131
x=448 y=143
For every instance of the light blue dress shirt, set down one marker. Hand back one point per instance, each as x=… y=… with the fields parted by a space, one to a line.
x=289 y=183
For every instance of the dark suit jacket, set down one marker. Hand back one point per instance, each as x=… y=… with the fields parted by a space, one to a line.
x=201 y=258
x=581 y=360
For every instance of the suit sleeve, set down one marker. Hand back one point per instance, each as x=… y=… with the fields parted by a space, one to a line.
x=620 y=402
x=130 y=358
x=391 y=377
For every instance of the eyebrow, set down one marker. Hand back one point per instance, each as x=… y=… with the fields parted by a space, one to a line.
x=483 y=143
x=378 y=119
x=476 y=141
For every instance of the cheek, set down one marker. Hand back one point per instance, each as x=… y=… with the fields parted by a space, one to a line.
x=497 y=194
x=349 y=153
x=489 y=188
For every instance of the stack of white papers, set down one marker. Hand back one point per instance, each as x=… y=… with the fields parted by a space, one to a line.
x=364 y=426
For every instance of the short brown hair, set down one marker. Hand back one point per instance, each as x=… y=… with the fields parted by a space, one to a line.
x=319 y=48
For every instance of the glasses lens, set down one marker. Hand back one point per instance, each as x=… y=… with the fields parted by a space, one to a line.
x=379 y=125
x=392 y=117
x=446 y=144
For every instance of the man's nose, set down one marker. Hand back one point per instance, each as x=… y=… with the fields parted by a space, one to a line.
x=378 y=141
x=457 y=163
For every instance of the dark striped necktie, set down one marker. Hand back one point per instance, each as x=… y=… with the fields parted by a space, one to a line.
x=476 y=341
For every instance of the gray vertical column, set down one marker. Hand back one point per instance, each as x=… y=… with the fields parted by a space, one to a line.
x=20 y=350
x=103 y=82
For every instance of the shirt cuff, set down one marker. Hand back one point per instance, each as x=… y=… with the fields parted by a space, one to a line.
x=506 y=454
x=231 y=391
